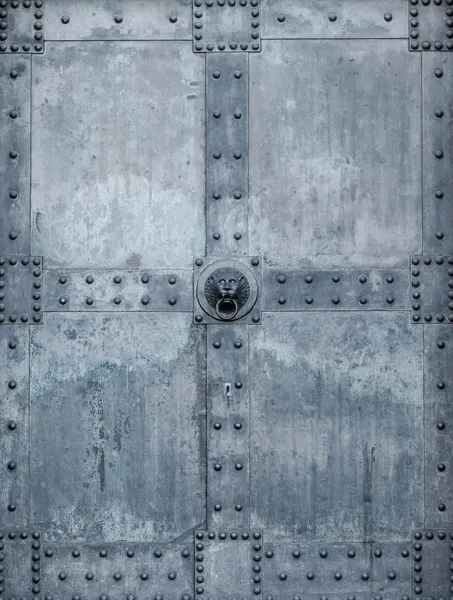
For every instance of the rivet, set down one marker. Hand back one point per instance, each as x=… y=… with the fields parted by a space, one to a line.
x=281 y=18
x=332 y=17
x=388 y=17
x=65 y=19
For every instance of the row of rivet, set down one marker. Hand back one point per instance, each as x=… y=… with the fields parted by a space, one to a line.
x=416 y=295
x=35 y=559
x=414 y=14
x=35 y=291
x=38 y=26
x=417 y=556
x=202 y=553
x=281 y=18
x=198 y=26
x=118 y=19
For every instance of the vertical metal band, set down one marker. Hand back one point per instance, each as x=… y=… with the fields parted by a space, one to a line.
x=438 y=404
x=227 y=154
x=437 y=153
x=228 y=427
x=15 y=154
x=14 y=426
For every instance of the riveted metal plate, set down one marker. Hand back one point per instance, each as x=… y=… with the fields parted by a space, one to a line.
x=437 y=153
x=249 y=267
x=227 y=154
x=378 y=570
x=140 y=209
x=21 y=289
x=118 y=407
x=432 y=564
x=226 y=25
x=330 y=400
x=432 y=289
x=308 y=289
x=72 y=290
x=334 y=19
x=228 y=388
x=14 y=425
x=22 y=26
x=438 y=425
x=430 y=25
x=118 y=571
x=316 y=191
x=15 y=154
x=20 y=564
x=228 y=564
x=112 y=20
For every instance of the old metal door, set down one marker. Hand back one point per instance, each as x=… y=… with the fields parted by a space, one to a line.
x=226 y=299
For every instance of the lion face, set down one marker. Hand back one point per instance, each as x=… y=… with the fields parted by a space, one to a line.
x=227 y=283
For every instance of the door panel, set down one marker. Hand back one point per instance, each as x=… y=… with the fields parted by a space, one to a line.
x=226 y=299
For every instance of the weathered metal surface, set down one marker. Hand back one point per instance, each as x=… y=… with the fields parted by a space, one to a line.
x=130 y=146
x=438 y=425
x=21 y=289
x=226 y=25
x=14 y=425
x=342 y=186
x=430 y=25
x=118 y=410
x=228 y=564
x=334 y=19
x=295 y=290
x=437 y=153
x=118 y=571
x=432 y=564
x=210 y=271
x=332 y=396
x=228 y=388
x=15 y=148
x=21 y=26
x=432 y=289
x=72 y=290
x=362 y=571
x=113 y=20
x=227 y=170
x=20 y=563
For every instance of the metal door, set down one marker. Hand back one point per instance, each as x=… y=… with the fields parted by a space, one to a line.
x=226 y=299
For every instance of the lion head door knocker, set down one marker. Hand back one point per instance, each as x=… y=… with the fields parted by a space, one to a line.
x=227 y=290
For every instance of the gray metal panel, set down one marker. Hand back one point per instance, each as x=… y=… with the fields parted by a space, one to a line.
x=334 y=19
x=20 y=564
x=430 y=25
x=71 y=290
x=227 y=158
x=432 y=564
x=337 y=570
x=14 y=425
x=307 y=289
x=335 y=161
x=21 y=26
x=226 y=25
x=438 y=425
x=437 y=153
x=118 y=442
x=15 y=154
x=432 y=289
x=121 y=184
x=20 y=289
x=332 y=397
x=118 y=571
x=117 y=20
x=228 y=387
x=228 y=564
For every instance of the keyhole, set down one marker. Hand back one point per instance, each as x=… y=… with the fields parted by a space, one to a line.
x=227 y=390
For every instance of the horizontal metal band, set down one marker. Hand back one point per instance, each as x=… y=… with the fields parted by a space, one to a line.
x=350 y=289
x=119 y=291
